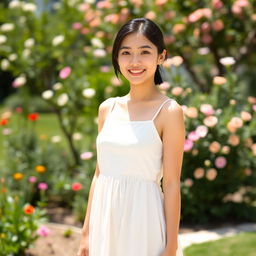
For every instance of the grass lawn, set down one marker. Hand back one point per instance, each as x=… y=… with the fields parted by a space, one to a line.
x=242 y=244
x=47 y=124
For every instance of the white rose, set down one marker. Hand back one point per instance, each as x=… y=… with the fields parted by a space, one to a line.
x=88 y=92
x=77 y=136
x=15 y=4
x=12 y=57
x=5 y=64
x=89 y=1
x=176 y=61
x=227 y=61
x=26 y=53
x=20 y=81
x=47 y=94
x=99 y=53
x=3 y=39
x=62 y=99
x=7 y=27
x=97 y=42
x=57 y=86
x=57 y=40
x=30 y=7
x=56 y=139
x=29 y=42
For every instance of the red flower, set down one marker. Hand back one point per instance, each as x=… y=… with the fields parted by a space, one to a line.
x=76 y=186
x=4 y=122
x=29 y=209
x=33 y=116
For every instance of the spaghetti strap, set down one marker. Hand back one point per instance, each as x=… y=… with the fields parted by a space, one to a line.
x=160 y=109
x=113 y=104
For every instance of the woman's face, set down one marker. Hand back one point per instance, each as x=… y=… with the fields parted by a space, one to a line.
x=138 y=54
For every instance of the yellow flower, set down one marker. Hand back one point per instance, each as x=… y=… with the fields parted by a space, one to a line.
x=18 y=176
x=40 y=168
x=2 y=235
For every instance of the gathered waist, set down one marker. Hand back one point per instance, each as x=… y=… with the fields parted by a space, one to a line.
x=123 y=177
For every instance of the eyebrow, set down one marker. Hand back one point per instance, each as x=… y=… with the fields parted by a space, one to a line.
x=143 y=46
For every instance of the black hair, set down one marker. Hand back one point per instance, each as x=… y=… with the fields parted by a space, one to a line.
x=147 y=28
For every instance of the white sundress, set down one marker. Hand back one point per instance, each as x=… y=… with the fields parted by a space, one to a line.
x=127 y=212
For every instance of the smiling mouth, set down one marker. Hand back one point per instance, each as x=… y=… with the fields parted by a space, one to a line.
x=136 y=72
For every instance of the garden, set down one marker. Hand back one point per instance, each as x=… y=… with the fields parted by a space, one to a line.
x=55 y=70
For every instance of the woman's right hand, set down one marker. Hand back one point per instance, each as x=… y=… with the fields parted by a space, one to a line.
x=84 y=247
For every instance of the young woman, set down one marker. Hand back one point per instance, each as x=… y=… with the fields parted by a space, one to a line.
x=139 y=144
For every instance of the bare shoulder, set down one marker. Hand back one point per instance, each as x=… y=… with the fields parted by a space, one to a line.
x=172 y=110
x=172 y=106
x=103 y=109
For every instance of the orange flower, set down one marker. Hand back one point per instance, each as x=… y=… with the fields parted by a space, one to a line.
x=29 y=209
x=3 y=190
x=18 y=176
x=40 y=168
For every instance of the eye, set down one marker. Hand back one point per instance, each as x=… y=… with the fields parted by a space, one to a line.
x=123 y=53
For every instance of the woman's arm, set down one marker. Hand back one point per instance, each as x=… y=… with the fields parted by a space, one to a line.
x=85 y=230
x=173 y=146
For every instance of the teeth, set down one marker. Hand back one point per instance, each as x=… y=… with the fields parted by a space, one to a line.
x=137 y=71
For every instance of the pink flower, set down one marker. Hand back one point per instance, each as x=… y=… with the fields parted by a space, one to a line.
x=32 y=179
x=76 y=186
x=202 y=130
x=210 y=121
x=188 y=145
x=217 y=25
x=42 y=186
x=177 y=90
x=65 y=72
x=207 y=109
x=43 y=231
x=188 y=182
x=206 y=38
x=220 y=162
x=104 y=68
x=199 y=173
x=86 y=155
x=254 y=107
x=217 y=4
x=76 y=25
x=18 y=109
x=84 y=31
x=194 y=136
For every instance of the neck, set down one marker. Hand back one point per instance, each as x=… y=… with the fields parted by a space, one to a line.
x=140 y=93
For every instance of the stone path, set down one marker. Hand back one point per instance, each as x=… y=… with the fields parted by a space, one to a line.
x=201 y=236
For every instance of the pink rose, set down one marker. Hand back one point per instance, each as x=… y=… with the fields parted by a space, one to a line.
x=76 y=25
x=42 y=186
x=188 y=145
x=194 y=136
x=65 y=72
x=220 y=162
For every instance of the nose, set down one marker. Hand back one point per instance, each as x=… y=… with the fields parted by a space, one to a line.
x=135 y=59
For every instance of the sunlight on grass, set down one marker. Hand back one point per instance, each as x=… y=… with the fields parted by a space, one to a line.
x=243 y=244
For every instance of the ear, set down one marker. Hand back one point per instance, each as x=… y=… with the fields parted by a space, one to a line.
x=161 y=57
